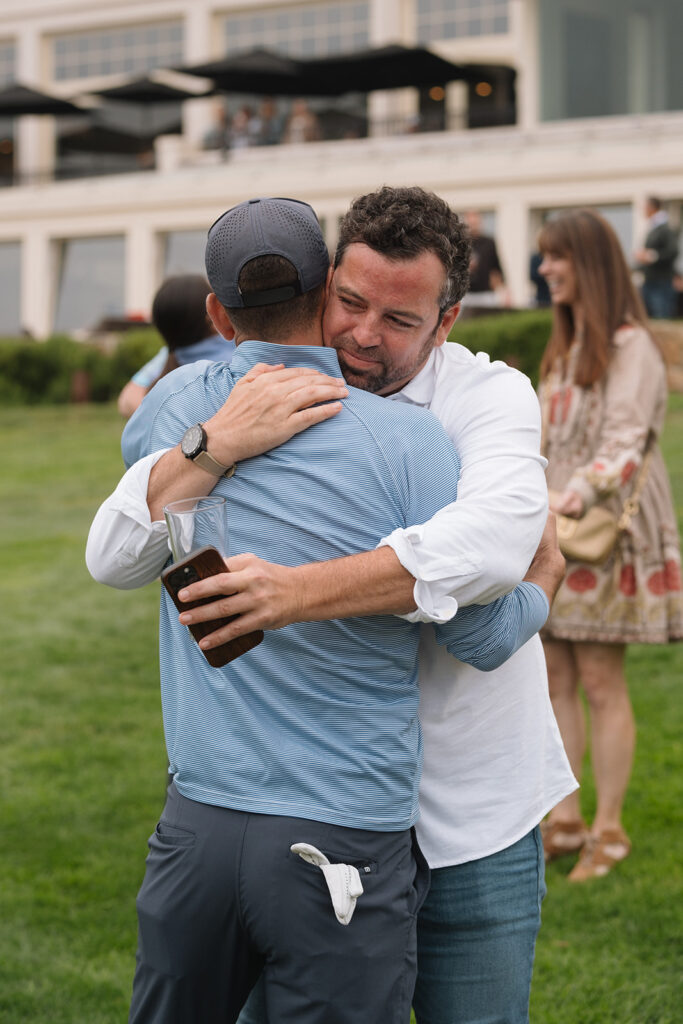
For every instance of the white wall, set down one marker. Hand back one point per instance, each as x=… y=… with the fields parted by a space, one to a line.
x=505 y=170
x=511 y=171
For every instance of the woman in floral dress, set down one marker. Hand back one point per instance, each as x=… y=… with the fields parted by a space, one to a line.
x=603 y=393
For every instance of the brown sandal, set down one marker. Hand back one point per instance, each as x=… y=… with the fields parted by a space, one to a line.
x=562 y=837
x=600 y=854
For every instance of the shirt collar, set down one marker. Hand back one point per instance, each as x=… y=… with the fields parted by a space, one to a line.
x=420 y=389
x=316 y=357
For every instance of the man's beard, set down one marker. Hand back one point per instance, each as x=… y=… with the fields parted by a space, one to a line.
x=380 y=378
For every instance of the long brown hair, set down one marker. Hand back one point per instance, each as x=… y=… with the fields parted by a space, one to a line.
x=608 y=297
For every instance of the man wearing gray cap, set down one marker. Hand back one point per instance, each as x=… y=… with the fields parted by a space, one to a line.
x=286 y=843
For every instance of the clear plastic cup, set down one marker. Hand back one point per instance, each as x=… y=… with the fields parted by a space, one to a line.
x=194 y=522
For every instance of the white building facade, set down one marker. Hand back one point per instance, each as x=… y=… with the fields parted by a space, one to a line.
x=597 y=119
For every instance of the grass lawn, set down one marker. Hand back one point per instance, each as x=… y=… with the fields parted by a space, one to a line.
x=82 y=769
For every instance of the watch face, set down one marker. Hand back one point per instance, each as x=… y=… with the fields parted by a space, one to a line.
x=191 y=443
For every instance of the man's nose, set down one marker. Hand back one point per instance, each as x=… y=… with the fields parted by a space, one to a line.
x=366 y=332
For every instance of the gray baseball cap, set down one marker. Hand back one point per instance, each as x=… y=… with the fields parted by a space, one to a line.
x=265 y=227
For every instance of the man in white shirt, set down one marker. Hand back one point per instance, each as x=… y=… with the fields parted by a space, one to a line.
x=494 y=762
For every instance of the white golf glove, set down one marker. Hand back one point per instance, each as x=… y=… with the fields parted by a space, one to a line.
x=343 y=880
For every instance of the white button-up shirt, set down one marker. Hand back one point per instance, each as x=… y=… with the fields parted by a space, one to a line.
x=494 y=763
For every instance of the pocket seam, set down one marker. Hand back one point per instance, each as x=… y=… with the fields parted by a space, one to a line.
x=177 y=837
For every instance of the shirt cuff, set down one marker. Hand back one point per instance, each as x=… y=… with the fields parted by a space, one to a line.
x=434 y=582
x=130 y=497
x=125 y=549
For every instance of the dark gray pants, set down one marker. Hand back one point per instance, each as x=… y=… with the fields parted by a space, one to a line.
x=224 y=898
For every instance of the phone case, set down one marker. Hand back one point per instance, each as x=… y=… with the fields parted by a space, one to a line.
x=199 y=565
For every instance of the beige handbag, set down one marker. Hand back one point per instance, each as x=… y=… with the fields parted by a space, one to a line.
x=593 y=537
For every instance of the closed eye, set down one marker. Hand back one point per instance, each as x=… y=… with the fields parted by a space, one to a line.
x=399 y=323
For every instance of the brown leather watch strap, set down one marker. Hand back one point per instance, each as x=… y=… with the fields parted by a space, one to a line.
x=207 y=462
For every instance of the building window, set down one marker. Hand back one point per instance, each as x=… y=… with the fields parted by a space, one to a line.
x=311 y=30
x=450 y=19
x=607 y=59
x=184 y=252
x=7 y=62
x=131 y=50
x=91 y=282
x=618 y=215
x=10 y=287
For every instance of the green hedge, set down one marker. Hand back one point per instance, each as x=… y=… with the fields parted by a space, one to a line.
x=518 y=338
x=63 y=370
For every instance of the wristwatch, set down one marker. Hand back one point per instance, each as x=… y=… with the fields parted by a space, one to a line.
x=193 y=447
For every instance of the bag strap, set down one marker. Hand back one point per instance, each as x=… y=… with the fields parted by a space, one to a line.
x=631 y=506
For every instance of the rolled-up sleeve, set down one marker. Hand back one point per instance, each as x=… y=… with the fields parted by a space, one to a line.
x=125 y=548
x=480 y=547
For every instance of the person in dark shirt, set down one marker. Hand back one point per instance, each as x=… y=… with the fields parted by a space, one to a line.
x=657 y=261
x=487 y=282
x=486 y=273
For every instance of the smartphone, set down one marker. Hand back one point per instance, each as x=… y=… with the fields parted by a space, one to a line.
x=199 y=565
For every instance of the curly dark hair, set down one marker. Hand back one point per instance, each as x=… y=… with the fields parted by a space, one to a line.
x=402 y=223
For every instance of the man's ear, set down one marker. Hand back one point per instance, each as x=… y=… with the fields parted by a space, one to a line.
x=447 y=321
x=218 y=317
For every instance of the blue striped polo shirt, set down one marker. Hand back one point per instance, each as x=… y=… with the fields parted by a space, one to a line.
x=320 y=720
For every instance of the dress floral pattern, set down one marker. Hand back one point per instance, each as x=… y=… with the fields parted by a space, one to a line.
x=595 y=441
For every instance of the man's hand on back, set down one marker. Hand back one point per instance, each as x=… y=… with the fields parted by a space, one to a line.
x=266 y=407
x=269 y=405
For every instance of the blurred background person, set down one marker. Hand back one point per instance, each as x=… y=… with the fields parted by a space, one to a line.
x=302 y=124
x=657 y=262
x=179 y=315
x=603 y=393
x=487 y=282
x=244 y=128
x=268 y=123
x=218 y=135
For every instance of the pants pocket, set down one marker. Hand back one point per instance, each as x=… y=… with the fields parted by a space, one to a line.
x=167 y=931
x=171 y=835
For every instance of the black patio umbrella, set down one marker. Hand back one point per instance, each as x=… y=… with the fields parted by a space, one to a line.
x=16 y=100
x=387 y=67
x=147 y=90
x=150 y=100
x=259 y=72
